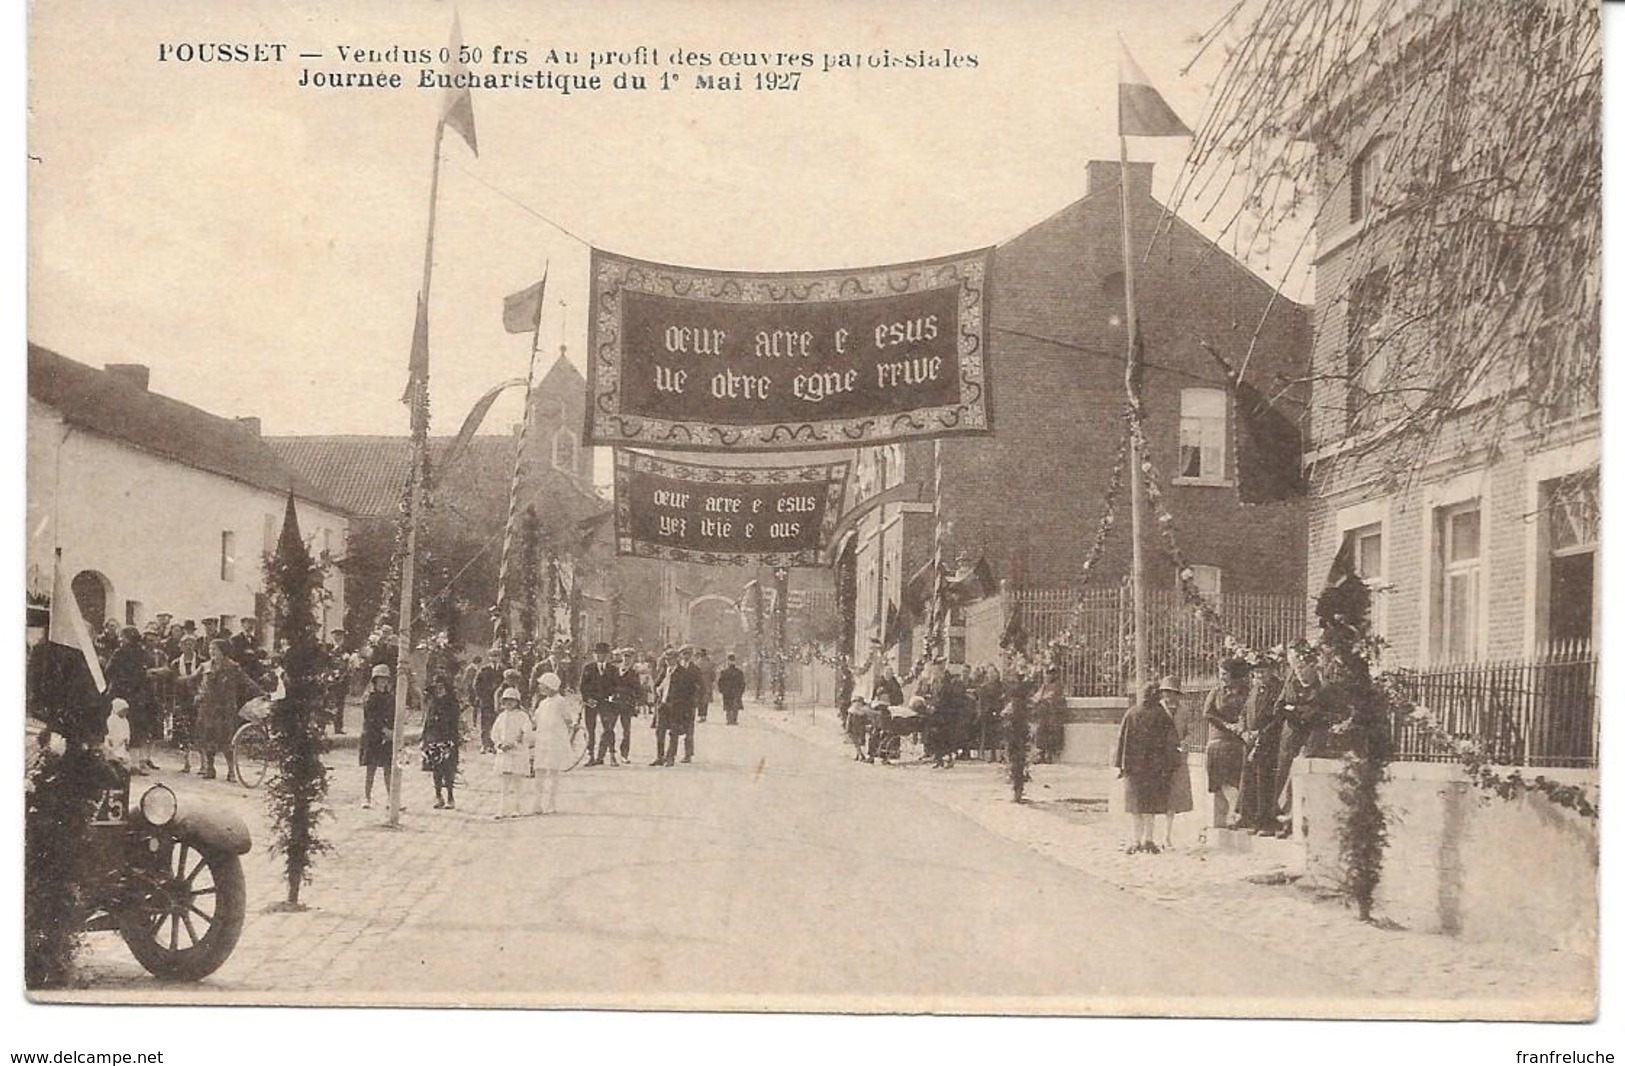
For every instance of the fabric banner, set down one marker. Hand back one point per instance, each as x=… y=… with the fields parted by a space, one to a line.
x=775 y=516
x=690 y=359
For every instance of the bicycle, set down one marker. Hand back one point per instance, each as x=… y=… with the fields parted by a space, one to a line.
x=251 y=744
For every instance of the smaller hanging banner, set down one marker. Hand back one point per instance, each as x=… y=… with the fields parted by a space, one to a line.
x=722 y=516
x=703 y=360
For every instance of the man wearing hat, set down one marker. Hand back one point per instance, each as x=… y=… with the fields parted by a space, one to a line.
x=628 y=696
x=731 y=687
x=599 y=701
x=681 y=704
x=184 y=669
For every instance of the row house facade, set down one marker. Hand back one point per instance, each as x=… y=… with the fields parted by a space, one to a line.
x=1483 y=535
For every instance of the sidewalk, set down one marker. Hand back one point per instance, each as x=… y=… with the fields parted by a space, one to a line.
x=1255 y=894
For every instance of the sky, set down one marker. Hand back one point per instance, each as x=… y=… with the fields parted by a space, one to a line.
x=260 y=244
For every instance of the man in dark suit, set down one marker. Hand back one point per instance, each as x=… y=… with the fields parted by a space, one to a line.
x=731 y=687
x=681 y=705
x=599 y=686
x=628 y=697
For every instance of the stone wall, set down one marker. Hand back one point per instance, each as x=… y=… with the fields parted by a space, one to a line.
x=1462 y=861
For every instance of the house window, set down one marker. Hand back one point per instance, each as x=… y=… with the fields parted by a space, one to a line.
x=1364 y=546
x=564 y=450
x=132 y=612
x=268 y=529
x=1570 y=593
x=1201 y=434
x=1363 y=177
x=1207 y=579
x=1458 y=541
x=228 y=556
x=1367 y=350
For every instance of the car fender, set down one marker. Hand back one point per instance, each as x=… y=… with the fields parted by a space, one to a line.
x=213 y=829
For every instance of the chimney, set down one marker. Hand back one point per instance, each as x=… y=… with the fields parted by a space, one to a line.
x=1102 y=175
x=250 y=423
x=137 y=374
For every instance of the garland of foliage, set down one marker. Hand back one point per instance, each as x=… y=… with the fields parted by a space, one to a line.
x=59 y=802
x=298 y=785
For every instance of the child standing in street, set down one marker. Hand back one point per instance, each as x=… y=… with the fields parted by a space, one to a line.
x=510 y=735
x=553 y=755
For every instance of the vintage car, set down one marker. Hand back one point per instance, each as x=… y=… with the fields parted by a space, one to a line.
x=167 y=878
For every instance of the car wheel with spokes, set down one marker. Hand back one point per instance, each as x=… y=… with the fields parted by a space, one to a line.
x=188 y=921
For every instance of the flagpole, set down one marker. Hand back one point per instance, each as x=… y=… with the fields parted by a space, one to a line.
x=1131 y=385
x=403 y=635
x=513 y=483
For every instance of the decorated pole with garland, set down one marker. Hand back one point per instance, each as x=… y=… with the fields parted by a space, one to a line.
x=298 y=784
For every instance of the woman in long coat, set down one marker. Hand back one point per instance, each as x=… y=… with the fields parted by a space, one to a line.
x=377 y=731
x=1180 y=798
x=1145 y=743
x=222 y=689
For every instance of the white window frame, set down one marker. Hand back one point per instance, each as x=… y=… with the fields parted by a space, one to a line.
x=1542 y=467
x=1365 y=173
x=1466 y=488
x=1206 y=477
x=1361 y=517
x=1198 y=570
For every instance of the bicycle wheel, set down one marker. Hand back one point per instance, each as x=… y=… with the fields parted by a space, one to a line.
x=578 y=746
x=251 y=751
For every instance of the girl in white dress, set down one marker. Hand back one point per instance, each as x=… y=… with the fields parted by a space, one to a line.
x=553 y=755
x=511 y=734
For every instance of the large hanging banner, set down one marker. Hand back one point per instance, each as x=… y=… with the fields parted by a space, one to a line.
x=722 y=361
x=776 y=516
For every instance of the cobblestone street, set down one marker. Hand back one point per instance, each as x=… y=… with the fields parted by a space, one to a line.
x=774 y=872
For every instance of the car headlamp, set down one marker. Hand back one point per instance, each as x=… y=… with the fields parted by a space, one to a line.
x=158 y=805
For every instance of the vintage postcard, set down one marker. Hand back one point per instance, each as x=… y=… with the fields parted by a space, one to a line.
x=997 y=509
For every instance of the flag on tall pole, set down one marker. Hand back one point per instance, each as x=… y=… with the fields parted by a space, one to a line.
x=520 y=312
x=457 y=110
x=416 y=395
x=1141 y=110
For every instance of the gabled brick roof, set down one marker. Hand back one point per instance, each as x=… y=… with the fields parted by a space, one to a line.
x=105 y=404
x=366 y=473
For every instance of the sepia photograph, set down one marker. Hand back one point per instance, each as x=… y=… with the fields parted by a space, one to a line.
x=701 y=509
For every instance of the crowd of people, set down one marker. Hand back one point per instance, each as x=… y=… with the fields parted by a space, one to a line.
x=528 y=709
x=951 y=715
x=1261 y=718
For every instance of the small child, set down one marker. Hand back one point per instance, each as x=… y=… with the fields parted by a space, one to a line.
x=857 y=728
x=117 y=744
x=510 y=734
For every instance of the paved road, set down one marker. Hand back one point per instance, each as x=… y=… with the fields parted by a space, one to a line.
x=770 y=873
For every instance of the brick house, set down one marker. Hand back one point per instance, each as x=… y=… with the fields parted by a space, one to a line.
x=1486 y=538
x=1028 y=498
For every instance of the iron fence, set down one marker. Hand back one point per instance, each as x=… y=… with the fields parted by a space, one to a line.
x=1535 y=712
x=1097 y=628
